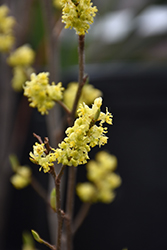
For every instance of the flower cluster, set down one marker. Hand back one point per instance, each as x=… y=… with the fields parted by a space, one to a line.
x=41 y=94
x=78 y=14
x=73 y=151
x=103 y=179
x=88 y=95
x=85 y=133
x=22 y=56
x=21 y=60
x=40 y=157
x=58 y=3
x=6 y=29
x=22 y=176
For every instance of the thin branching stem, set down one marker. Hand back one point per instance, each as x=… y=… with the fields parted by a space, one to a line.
x=40 y=190
x=70 y=205
x=83 y=212
x=59 y=215
x=38 y=138
x=48 y=245
x=60 y=174
x=81 y=78
x=64 y=107
x=72 y=170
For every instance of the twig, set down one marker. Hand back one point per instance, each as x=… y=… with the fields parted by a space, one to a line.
x=60 y=215
x=72 y=170
x=81 y=79
x=81 y=216
x=40 y=191
x=49 y=245
x=61 y=172
x=48 y=147
x=70 y=205
x=38 y=138
x=64 y=107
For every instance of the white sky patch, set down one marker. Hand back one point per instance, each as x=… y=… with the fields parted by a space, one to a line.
x=152 y=21
x=114 y=26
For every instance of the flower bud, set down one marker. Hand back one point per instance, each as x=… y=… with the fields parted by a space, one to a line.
x=53 y=199
x=36 y=236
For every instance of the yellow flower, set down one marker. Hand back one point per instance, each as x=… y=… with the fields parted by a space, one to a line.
x=6 y=42
x=41 y=94
x=103 y=180
x=22 y=56
x=73 y=151
x=86 y=191
x=58 y=3
x=6 y=29
x=78 y=15
x=88 y=95
x=39 y=157
x=22 y=178
x=19 y=78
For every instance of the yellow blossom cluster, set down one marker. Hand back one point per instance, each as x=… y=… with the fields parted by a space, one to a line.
x=22 y=176
x=21 y=60
x=88 y=95
x=41 y=94
x=40 y=157
x=6 y=29
x=78 y=14
x=58 y=3
x=22 y=56
x=85 y=133
x=102 y=179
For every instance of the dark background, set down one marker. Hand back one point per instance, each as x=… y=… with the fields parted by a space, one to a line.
x=132 y=74
x=136 y=95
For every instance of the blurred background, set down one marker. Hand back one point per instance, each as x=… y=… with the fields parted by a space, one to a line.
x=126 y=56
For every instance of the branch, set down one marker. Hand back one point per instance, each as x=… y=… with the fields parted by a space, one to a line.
x=70 y=205
x=48 y=147
x=40 y=191
x=72 y=170
x=49 y=245
x=64 y=107
x=81 y=79
x=38 y=138
x=81 y=216
x=60 y=213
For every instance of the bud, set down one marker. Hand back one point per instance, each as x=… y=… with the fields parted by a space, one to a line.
x=53 y=199
x=14 y=162
x=36 y=236
x=75 y=2
x=28 y=241
x=97 y=114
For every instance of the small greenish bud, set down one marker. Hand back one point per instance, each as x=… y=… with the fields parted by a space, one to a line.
x=36 y=236
x=33 y=160
x=28 y=240
x=53 y=199
x=14 y=162
x=75 y=2
x=97 y=114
